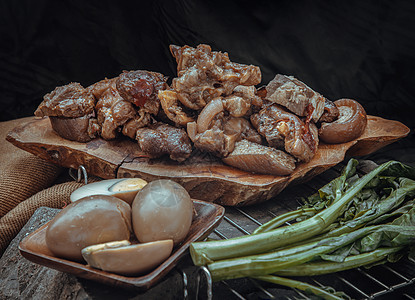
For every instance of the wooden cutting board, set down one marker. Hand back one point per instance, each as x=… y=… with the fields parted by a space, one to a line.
x=204 y=176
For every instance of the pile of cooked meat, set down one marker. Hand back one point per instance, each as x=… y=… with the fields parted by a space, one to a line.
x=213 y=106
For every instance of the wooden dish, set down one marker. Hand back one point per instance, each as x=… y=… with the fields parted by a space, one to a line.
x=34 y=248
x=205 y=177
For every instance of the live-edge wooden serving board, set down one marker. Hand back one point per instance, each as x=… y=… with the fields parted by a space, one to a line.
x=204 y=176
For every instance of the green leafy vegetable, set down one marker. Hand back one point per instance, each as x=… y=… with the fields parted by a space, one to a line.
x=352 y=221
x=321 y=267
x=367 y=239
x=206 y=252
x=322 y=293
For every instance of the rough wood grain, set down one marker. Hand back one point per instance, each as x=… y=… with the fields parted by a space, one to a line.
x=22 y=279
x=99 y=157
x=204 y=176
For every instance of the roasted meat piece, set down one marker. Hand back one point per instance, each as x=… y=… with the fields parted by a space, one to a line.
x=113 y=112
x=99 y=88
x=141 y=88
x=285 y=130
x=172 y=108
x=330 y=113
x=140 y=120
x=243 y=129
x=296 y=96
x=162 y=139
x=111 y=107
x=350 y=124
x=216 y=65
x=220 y=138
x=69 y=101
x=81 y=129
x=203 y=75
x=217 y=130
x=215 y=141
x=249 y=93
x=253 y=157
x=71 y=112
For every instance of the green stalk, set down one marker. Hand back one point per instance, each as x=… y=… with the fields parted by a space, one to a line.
x=284 y=218
x=350 y=262
x=338 y=183
x=271 y=262
x=203 y=253
x=308 y=288
x=395 y=199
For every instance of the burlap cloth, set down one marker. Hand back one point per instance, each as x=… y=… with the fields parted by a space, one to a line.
x=26 y=183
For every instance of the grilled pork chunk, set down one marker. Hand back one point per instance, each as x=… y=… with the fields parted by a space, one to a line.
x=113 y=112
x=203 y=75
x=253 y=157
x=68 y=101
x=71 y=112
x=141 y=88
x=162 y=139
x=296 y=96
x=219 y=125
x=330 y=113
x=285 y=130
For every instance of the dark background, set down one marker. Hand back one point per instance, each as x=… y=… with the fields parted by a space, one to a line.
x=356 y=49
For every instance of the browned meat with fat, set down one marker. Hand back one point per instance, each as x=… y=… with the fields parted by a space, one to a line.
x=331 y=112
x=69 y=101
x=217 y=130
x=172 y=108
x=203 y=75
x=296 y=96
x=141 y=119
x=99 y=88
x=242 y=128
x=162 y=139
x=251 y=94
x=81 y=129
x=285 y=130
x=215 y=141
x=141 y=89
x=253 y=157
x=71 y=112
x=113 y=112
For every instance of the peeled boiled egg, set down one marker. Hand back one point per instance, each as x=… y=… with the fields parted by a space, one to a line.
x=124 y=258
x=162 y=210
x=88 y=221
x=123 y=188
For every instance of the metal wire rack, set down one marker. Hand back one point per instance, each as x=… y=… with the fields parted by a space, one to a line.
x=386 y=281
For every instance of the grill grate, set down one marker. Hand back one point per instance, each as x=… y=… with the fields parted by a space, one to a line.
x=379 y=282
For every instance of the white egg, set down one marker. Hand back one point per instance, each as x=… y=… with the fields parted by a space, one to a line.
x=123 y=188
